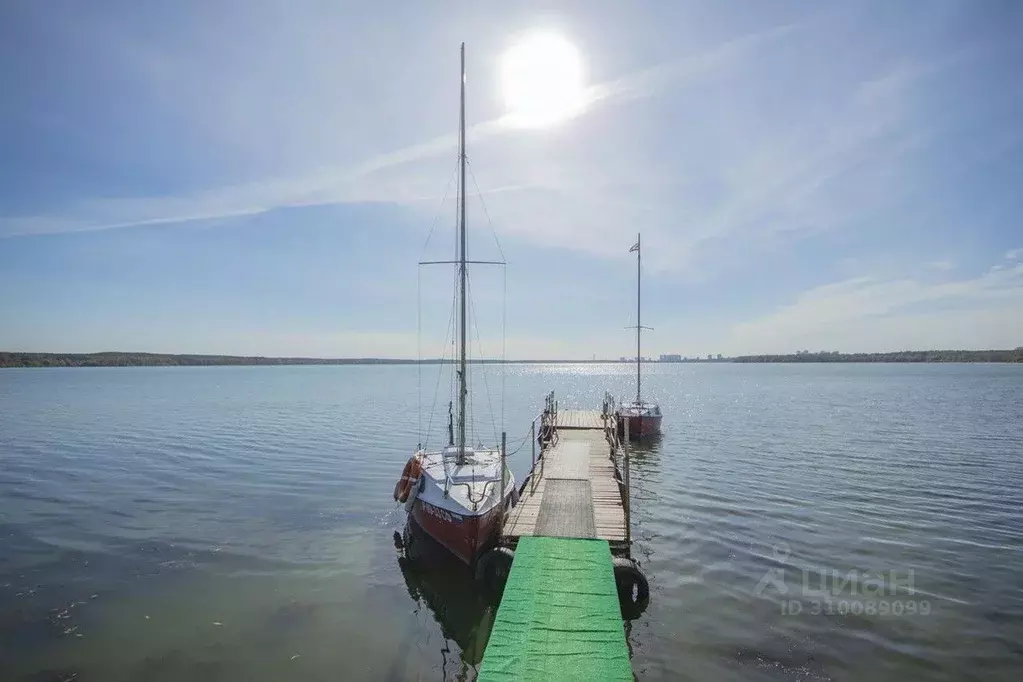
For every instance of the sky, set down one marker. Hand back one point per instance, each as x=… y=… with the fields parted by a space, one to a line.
x=263 y=178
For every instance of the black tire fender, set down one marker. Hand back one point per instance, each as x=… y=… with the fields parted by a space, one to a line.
x=633 y=588
x=493 y=567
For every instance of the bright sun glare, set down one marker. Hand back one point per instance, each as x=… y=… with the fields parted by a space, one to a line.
x=542 y=81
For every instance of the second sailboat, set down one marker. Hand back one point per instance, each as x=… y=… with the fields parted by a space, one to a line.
x=644 y=418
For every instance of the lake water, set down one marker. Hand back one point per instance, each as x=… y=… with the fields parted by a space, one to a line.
x=797 y=522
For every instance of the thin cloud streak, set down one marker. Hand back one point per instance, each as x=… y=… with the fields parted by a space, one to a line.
x=328 y=188
x=854 y=314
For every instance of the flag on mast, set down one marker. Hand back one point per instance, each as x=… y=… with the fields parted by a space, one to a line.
x=635 y=247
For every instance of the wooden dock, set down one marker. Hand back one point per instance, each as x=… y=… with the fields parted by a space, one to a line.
x=575 y=488
x=571 y=578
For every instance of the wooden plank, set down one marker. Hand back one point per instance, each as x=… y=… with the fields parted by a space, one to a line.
x=571 y=461
x=577 y=429
x=580 y=419
x=567 y=510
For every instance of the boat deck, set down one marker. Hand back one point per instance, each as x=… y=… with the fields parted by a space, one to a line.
x=575 y=489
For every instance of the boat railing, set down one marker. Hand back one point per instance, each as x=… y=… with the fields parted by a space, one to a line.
x=487 y=487
x=483 y=495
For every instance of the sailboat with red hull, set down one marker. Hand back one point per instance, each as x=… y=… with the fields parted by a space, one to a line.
x=458 y=494
x=640 y=418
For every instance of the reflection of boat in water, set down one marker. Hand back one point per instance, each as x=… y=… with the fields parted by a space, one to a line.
x=647 y=447
x=446 y=587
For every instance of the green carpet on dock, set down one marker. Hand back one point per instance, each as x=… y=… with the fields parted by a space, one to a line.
x=559 y=618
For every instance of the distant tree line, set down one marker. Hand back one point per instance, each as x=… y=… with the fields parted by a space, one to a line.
x=1015 y=355
x=115 y=359
x=160 y=360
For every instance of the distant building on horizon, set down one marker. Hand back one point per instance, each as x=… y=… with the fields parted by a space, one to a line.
x=671 y=357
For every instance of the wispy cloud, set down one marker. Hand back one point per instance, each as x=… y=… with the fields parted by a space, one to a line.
x=740 y=179
x=856 y=140
x=649 y=82
x=865 y=313
x=350 y=184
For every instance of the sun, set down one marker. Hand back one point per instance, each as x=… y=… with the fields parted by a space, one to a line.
x=542 y=81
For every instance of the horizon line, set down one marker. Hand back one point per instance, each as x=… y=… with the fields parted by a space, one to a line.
x=212 y=358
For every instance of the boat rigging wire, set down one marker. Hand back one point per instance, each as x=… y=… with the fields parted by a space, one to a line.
x=490 y=223
x=450 y=331
x=504 y=287
x=440 y=374
x=483 y=370
x=419 y=311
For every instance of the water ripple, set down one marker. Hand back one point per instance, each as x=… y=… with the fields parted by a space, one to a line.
x=217 y=522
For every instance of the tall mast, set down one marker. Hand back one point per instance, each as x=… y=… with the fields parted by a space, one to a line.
x=639 y=321
x=462 y=391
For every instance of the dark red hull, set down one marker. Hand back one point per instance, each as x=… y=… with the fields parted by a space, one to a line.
x=640 y=426
x=464 y=536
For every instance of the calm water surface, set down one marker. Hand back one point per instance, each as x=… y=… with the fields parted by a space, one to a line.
x=797 y=522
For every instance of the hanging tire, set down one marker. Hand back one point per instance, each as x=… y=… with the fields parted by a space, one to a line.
x=492 y=569
x=633 y=588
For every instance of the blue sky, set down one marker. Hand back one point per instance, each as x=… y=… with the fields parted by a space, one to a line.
x=260 y=178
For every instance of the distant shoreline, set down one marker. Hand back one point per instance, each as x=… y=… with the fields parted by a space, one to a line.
x=119 y=359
